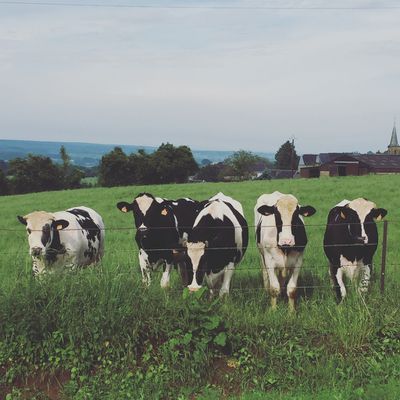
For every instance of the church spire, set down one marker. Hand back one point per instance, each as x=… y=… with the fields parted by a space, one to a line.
x=393 y=141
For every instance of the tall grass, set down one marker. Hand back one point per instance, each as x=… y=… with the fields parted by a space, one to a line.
x=115 y=339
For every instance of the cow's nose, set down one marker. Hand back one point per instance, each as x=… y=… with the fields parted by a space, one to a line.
x=142 y=229
x=286 y=242
x=36 y=251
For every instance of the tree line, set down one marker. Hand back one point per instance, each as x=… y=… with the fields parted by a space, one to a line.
x=168 y=164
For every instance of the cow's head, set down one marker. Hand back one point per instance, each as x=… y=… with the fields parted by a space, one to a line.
x=287 y=214
x=360 y=215
x=196 y=263
x=41 y=228
x=150 y=214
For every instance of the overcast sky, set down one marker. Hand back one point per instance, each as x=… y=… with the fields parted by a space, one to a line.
x=211 y=78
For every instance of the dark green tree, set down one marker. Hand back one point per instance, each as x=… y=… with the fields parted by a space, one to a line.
x=173 y=164
x=66 y=159
x=114 y=169
x=71 y=175
x=243 y=163
x=210 y=173
x=142 y=168
x=3 y=184
x=34 y=174
x=286 y=157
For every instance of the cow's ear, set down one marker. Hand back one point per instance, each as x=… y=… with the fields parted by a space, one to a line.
x=307 y=211
x=266 y=210
x=124 y=206
x=22 y=220
x=60 y=224
x=378 y=213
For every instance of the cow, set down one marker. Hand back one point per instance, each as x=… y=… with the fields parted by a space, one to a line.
x=350 y=242
x=161 y=227
x=70 y=238
x=216 y=244
x=281 y=240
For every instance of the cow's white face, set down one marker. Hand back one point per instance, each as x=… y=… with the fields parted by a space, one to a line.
x=195 y=252
x=286 y=207
x=363 y=209
x=40 y=227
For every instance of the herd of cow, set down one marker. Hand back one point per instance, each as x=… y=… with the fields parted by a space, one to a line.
x=207 y=239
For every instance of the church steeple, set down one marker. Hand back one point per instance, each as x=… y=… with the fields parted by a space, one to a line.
x=393 y=141
x=394 y=147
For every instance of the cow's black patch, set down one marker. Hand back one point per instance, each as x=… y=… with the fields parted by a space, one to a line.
x=342 y=238
x=90 y=228
x=55 y=247
x=221 y=244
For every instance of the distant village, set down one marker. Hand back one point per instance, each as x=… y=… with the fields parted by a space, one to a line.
x=346 y=164
x=170 y=164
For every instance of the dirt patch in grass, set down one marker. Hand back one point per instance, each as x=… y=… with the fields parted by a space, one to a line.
x=49 y=385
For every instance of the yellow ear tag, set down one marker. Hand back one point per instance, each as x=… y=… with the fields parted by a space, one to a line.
x=59 y=227
x=124 y=209
x=164 y=212
x=379 y=218
x=342 y=215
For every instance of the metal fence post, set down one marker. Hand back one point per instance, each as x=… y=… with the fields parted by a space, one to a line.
x=384 y=251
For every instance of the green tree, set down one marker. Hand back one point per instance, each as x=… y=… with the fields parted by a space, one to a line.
x=243 y=163
x=142 y=168
x=66 y=159
x=3 y=183
x=286 y=157
x=210 y=172
x=34 y=174
x=114 y=169
x=71 y=175
x=173 y=164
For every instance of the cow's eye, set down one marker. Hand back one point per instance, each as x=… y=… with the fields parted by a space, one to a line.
x=28 y=231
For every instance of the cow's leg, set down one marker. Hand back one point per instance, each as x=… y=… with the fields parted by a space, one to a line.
x=213 y=281
x=274 y=287
x=144 y=267
x=364 y=278
x=295 y=264
x=264 y=271
x=38 y=267
x=335 y=284
x=342 y=287
x=165 y=276
x=226 y=283
x=183 y=272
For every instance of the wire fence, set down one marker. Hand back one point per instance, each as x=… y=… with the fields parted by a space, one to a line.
x=130 y=254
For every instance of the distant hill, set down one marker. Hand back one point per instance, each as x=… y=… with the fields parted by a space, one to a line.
x=89 y=154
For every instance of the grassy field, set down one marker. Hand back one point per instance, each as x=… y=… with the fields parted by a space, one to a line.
x=98 y=334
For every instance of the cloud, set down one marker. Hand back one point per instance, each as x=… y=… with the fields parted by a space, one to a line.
x=209 y=78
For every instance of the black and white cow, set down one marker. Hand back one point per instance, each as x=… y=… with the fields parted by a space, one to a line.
x=161 y=227
x=350 y=242
x=281 y=240
x=216 y=244
x=70 y=238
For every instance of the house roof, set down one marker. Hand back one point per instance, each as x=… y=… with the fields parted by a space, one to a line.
x=379 y=162
x=309 y=159
x=327 y=157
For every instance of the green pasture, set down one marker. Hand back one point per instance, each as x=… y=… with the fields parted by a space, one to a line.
x=97 y=333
